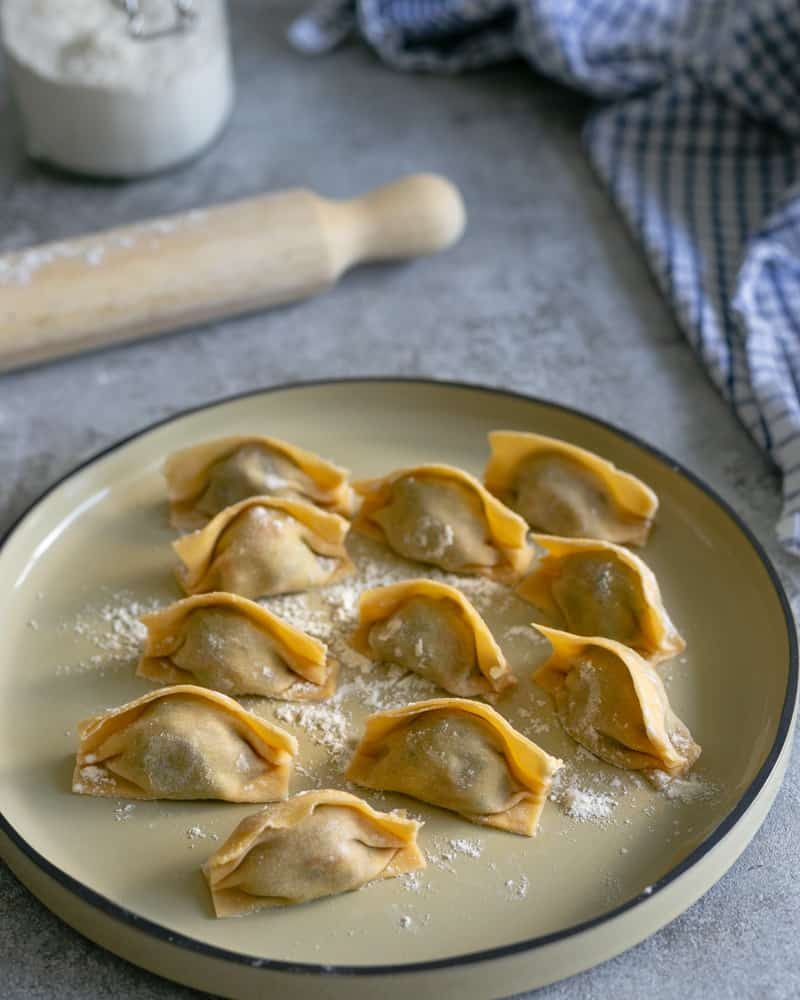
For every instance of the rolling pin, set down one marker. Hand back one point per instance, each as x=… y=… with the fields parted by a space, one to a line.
x=180 y=270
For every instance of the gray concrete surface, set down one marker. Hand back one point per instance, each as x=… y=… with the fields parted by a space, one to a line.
x=546 y=294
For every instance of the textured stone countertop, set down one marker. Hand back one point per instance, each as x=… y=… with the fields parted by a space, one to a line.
x=546 y=294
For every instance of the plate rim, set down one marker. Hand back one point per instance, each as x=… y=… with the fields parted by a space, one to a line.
x=163 y=934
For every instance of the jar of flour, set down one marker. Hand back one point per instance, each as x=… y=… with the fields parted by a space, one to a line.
x=118 y=88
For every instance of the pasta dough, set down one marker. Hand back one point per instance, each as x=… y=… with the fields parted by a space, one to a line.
x=233 y=645
x=612 y=702
x=565 y=490
x=598 y=588
x=264 y=546
x=204 y=479
x=441 y=515
x=460 y=755
x=318 y=843
x=433 y=630
x=183 y=742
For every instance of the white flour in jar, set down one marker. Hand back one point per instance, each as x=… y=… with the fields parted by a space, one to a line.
x=97 y=100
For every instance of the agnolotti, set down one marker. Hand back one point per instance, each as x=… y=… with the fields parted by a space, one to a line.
x=611 y=701
x=318 y=843
x=230 y=644
x=183 y=742
x=565 y=490
x=434 y=631
x=441 y=515
x=591 y=587
x=204 y=479
x=264 y=546
x=458 y=754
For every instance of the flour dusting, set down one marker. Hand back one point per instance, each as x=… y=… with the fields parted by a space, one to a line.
x=113 y=628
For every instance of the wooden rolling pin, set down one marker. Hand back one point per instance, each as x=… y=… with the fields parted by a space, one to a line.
x=181 y=270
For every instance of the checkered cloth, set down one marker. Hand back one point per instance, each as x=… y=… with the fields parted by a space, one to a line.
x=698 y=140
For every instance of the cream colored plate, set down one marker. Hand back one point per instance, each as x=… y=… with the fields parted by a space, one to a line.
x=523 y=913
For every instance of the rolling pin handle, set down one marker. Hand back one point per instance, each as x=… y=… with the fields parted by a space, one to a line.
x=416 y=216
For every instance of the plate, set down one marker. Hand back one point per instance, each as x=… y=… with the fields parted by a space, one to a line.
x=493 y=914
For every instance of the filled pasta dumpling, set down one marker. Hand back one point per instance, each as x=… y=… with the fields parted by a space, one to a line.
x=433 y=630
x=458 y=754
x=593 y=587
x=612 y=702
x=318 y=843
x=565 y=490
x=264 y=546
x=183 y=742
x=233 y=645
x=204 y=479
x=441 y=515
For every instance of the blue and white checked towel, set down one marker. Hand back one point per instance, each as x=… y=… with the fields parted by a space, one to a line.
x=698 y=139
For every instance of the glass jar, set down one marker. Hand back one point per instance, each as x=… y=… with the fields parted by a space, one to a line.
x=118 y=88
